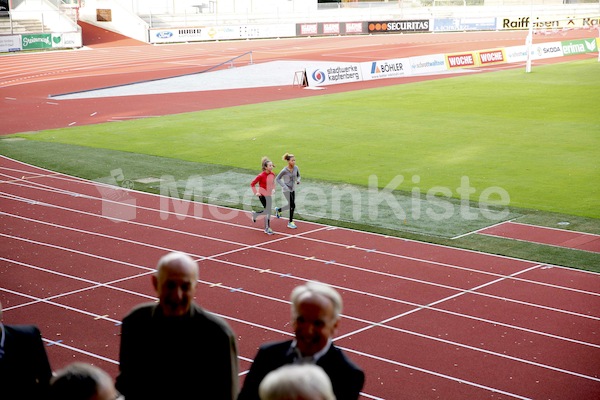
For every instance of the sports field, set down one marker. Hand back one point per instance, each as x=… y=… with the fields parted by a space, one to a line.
x=427 y=318
x=535 y=136
x=433 y=160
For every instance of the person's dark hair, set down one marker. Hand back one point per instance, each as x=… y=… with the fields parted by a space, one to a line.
x=265 y=160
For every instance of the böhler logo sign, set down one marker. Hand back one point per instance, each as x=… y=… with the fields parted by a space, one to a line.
x=421 y=25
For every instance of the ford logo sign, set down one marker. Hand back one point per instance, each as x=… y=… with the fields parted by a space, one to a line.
x=164 y=35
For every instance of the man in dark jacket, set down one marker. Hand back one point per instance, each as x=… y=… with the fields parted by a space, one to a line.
x=316 y=310
x=24 y=367
x=174 y=349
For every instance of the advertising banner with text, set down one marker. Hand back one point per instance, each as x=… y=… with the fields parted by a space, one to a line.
x=461 y=60
x=395 y=68
x=404 y=26
x=231 y=32
x=333 y=74
x=424 y=65
x=10 y=43
x=491 y=57
x=582 y=46
x=331 y=28
x=464 y=24
x=36 y=41
x=547 y=22
x=70 y=40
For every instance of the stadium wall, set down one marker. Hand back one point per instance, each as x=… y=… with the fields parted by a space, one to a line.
x=161 y=21
x=167 y=21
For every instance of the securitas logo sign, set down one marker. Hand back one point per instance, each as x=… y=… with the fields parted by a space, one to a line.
x=419 y=25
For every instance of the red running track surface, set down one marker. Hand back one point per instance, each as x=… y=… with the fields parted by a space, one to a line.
x=545 y=235
x=424 y=321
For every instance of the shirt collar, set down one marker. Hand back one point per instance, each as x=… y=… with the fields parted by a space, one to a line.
x=315 y=357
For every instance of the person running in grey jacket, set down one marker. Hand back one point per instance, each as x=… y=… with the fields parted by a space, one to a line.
x=288 y=178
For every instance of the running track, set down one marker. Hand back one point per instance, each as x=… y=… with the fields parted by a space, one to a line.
x=549 y=236
x=424 y=321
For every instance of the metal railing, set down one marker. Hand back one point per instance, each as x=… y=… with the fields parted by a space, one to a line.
x=163 y=13
x=230 y=62
x=40 y=16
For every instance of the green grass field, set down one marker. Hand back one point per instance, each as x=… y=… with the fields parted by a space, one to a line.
x=533 y=137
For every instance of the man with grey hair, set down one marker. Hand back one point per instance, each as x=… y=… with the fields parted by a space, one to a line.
x=174 y=349
x=82 y=381
x=316 y=312
x=296 y=382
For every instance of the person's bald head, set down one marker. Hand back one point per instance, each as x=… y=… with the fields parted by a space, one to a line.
x=175 y=283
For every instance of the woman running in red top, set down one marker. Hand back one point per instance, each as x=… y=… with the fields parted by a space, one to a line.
x=266 y=188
